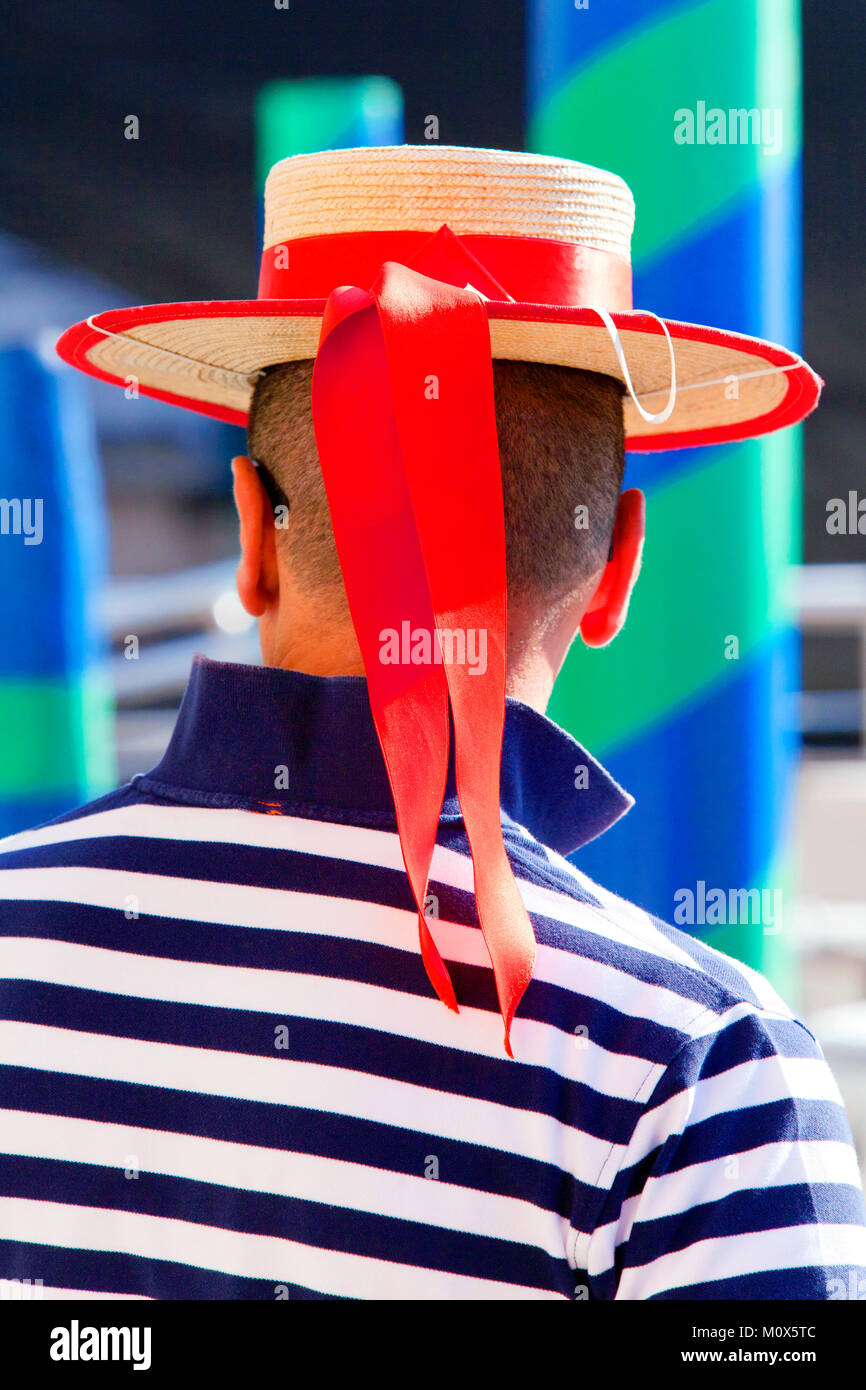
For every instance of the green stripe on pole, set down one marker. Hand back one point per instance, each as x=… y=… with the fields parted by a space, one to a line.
x=595 y=112
x=69 y=742
x=303 y=115
x=677 y=607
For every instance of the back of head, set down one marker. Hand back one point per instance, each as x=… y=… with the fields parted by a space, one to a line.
x=561 y=449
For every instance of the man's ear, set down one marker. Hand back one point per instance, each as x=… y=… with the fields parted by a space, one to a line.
x=258 y=576
x=606 y=611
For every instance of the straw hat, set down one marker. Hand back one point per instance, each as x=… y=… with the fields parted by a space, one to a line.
x=545 y=241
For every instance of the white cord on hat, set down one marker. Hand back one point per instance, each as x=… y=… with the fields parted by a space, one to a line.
x=661 y=416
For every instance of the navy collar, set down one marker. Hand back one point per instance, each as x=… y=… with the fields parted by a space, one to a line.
x=261 y=737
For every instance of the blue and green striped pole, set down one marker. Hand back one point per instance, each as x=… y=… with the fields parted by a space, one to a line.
x=691 y=705
x=56 y=729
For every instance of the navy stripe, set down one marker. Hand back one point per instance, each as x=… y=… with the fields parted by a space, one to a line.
x=267 y=1124
x=800 y=1282
x=287 y=1218
x=747 y=1039
x=728 y=1134
x=792 y=1120
x=760 y=1209
x=246 y=865
x=113 y=1272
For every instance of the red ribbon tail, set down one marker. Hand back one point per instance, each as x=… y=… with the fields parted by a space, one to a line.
x=435 y=966
x=405 y=426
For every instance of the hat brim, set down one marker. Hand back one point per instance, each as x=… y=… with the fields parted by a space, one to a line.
x=205 y=355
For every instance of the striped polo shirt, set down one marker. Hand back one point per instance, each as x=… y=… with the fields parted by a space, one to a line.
x=224 y=1073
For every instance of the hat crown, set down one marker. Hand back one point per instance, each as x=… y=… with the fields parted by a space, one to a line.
x=420 y=187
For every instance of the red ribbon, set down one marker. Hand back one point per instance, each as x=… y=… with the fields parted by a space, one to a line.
x=405 y=427
x=529 y=270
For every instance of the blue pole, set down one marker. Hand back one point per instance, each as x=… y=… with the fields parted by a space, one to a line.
x=56 y=731
x=690 y=705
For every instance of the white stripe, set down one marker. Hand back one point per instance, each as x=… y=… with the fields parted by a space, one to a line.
x=750 y=1083
x=761 y=1082
x=325 y=998
x=770 y=1165
x=637 y=927
x=727 y=1257
x=241 y=1253
x=357 y=844
x=309 y=1177
x=332 y=1090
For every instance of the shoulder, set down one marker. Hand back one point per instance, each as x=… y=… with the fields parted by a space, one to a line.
x=15 y=849
x=593 y=941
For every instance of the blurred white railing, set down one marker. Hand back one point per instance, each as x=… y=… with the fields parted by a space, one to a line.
x=832 y=598
x=144 y=603
x=204 y=599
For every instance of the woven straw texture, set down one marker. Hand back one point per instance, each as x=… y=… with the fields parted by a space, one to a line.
x=417 y=188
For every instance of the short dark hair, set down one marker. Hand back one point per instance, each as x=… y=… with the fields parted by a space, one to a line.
x=561 y=449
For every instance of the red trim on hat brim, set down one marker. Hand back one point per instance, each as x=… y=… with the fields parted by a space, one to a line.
x=75 y=343
x=801 y=397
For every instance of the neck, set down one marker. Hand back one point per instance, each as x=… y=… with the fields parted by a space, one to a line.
x=324 y=644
